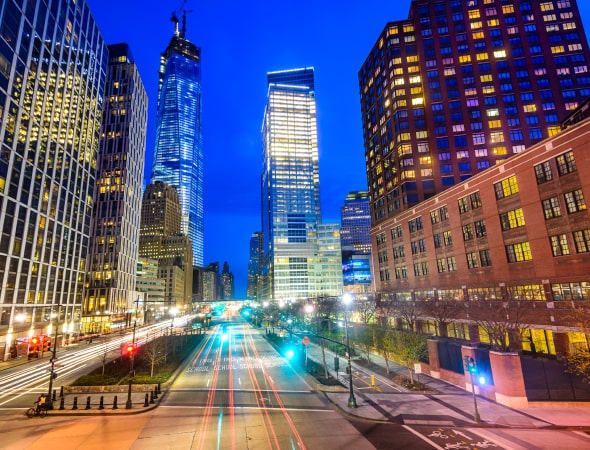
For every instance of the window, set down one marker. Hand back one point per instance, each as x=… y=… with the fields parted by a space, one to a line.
x=448 y=240
x=559 y=245
x=444 y=213
x=566 y=163
x=575 y=201
x=551 y=208
x=518 y=252
x=434 y=216
x=396 y=232
x=484 y=258
x=441 y=265
x=472 y=262
x=467 y=232
x=475 y=200
x=506 y=187
x=480 y=228
x=451 y=265
x=463 y=205
x=582 y=240
x=512 y=219
x=437 y=240
x=543 y=172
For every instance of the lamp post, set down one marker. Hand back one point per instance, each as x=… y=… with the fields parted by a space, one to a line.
x=129 y=404
x=347 y=300
x=52 y=374
x=470 y=365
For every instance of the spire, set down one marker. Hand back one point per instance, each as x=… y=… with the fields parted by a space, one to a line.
x=174 y=19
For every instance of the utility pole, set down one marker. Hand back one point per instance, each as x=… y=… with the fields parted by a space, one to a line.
x=52 y=374
x=131 y=354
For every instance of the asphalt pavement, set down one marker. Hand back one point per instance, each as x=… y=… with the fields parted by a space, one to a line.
x=442 y=404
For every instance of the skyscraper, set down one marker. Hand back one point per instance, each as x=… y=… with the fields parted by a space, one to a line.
x=114 y=232
x=291 y=210
x=256 y=252
x=53 y=63
x=178 y=154
x=160 y=239
x=460 y=86
x=355 y=238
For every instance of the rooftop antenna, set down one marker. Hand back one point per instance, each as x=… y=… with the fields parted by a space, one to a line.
x=174 y=18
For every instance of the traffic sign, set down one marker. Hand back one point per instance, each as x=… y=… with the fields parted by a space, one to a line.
x=305 y=341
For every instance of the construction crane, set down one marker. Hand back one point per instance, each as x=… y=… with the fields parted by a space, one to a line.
x=174 y=18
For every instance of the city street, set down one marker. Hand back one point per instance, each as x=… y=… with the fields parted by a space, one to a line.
x=237 y=392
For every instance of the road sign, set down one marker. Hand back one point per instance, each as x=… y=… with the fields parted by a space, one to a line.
x=305 y=340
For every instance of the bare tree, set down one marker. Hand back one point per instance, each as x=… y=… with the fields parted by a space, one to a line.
x=502 y=321
x=577 y=359
x=442 y=312
x=103 y=357
x=366 y=311
x=154 y=354
x=409 y=311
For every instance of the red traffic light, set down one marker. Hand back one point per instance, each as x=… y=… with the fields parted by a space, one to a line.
x=34 y=340
x=130 y=349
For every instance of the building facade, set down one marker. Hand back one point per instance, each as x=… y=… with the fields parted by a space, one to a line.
x=53 y=63
x=291 y=209
x=460 y=86
x=256 y=251
x=110 y=293
x=355 y=239
x=227 y=283
x=152 y=290
x=516 y=234
x=178 y=153
x=160 y=239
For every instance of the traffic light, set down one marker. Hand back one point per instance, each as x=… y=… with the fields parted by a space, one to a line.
x=130 y=350
x=46 y=344
x=34 y=344
x=336 y=363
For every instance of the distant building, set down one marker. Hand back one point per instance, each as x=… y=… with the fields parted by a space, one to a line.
x=326 y=266
x=160 y=239
x=152 y=290
x=355 y=238
x=211 y=285
x=111 y=295
x=52 y=72
x=178 y=153
x=256 y=251
x=227 y=283
x=291 y=210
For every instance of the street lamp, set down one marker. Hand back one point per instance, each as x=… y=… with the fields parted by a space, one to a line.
x=53 y=359
x=131 y=353
x=471 y=367
x=347 y=300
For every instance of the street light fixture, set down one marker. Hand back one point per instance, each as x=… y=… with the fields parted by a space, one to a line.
x=347 y=300
x=52 y=374
x=129 y=404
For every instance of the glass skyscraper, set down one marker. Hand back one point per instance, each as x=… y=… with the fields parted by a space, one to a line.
x=53 y=63
x=111 y=292
x=291 y=210
x=178 y=154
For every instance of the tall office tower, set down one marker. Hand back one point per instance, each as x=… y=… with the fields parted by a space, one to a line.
x=355 y=238
x=256 y=252
x=460 y=86
x=53 y=63
x=152 y=289
x=111 y=293
x=160 y=239
x=227 y=283
x=291 y=209
x=178 y=154
x=325 y=274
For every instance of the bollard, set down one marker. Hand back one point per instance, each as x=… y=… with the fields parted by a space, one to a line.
x=146 y=401
x=62 y=404
x=101 y=404
x=53 y=395
x=75 y=403
x=155 y=391
x=152 y=397
x=61 y=391
x=115 y=403
x=88 y=402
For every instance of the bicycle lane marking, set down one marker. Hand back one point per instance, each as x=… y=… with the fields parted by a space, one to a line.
x=453 y=438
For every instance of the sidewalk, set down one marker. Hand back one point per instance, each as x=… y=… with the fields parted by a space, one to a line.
x=445 y=404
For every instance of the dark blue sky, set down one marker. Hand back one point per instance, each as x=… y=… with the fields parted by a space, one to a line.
x=242 y=41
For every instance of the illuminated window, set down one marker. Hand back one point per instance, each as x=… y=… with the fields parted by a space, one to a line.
x=478 y=35
x=500 y=54
x=476 y=25
x=506 y=187
x=575 y=201
x=507 y=9
x=559 y=245
x=530 y=108
x=557 y=49
x=512 y=219
x=393 y=30
x=496 y=136
x=474 y=14
x=464 y=58
x=408 y=28
x=493 y=23
x=482 y=56
x=494 y=112
x=412 y=59
x=519 y=252
x=547 y=6
x=500 y=151
x=549 y=18
x=566 y=163
x=449 y=71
